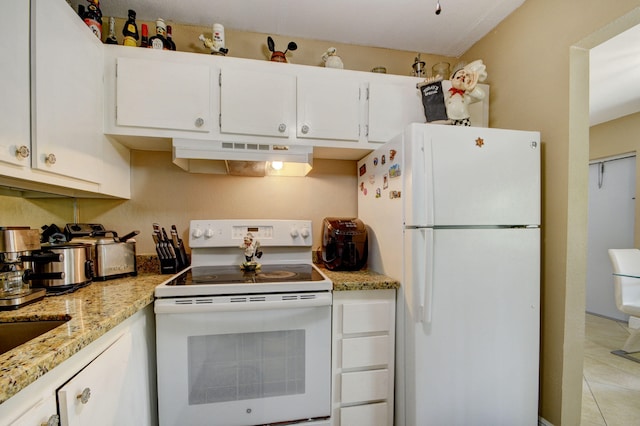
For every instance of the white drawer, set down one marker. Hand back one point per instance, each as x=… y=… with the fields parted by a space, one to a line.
x=364 y=386
x=366 y=317
x=369 y=414
x=365 y=351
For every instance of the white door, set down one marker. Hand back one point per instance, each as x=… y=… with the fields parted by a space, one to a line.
x=67 y=93
x=612 y=189
x=329 y=108
x=471 y=176
x=392 y=107
x=14 y=84
x=164 y=95
x=472 y=327
x=257 y=103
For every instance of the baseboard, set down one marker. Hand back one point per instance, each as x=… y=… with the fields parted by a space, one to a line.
x=543 y=422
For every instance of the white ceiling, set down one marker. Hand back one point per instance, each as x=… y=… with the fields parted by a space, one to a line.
x=614 y=77
x=400 y=24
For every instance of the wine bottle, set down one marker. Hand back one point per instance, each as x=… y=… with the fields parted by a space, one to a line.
x=144 y=38
x=172 y=45
x=93 y=17
x=130 y=30
x=159 y=41
x=111 y=39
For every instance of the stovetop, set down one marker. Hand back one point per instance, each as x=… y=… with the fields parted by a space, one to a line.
x=231 y=279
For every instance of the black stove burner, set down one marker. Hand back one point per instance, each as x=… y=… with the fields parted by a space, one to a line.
x=211 y=275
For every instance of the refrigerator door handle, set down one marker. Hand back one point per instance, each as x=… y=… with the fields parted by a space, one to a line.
x=426 y=303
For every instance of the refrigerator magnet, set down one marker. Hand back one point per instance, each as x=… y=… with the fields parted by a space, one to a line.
x=394 y=171
x=392 y=154
x=383 y=160
x=385 y=181
x=372 y=179
x=375 y=161
x=363 y=169
x=378 y=193
x=395 y=194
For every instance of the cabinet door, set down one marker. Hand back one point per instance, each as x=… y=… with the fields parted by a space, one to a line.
x=329 y=108
x=99 y=394
x=163 y=95
x=14 y=82
x=257 y=103
x=67 y=92
x=40 y=413
x=391 y=107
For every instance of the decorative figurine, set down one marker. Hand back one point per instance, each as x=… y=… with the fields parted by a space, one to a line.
x=216 y=45
x=276 y=55
x=252 y=250
x=331 y=59
x=418 y=67
x=464 y=91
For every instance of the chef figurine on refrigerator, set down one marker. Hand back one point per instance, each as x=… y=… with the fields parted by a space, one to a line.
x=464 y=91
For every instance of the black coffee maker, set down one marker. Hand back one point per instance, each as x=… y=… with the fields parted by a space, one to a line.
x=344 y=244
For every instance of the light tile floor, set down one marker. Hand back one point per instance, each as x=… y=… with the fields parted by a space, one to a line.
x=611 y=384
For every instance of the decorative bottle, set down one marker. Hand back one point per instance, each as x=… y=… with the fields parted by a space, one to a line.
x=111 y=39
x=130 y=30
x=93 y=17
x=159 y=40
x=172 y=45
x=144 y=38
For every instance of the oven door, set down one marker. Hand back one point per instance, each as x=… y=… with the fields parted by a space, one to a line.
x=243 y=360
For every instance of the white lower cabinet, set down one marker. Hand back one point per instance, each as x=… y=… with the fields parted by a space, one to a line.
x=363 y=357
x=97 y=391
x=110 y=382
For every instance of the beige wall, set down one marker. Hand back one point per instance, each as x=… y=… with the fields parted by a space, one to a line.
x=164 y=193
x=538 y=82
x=621 y=136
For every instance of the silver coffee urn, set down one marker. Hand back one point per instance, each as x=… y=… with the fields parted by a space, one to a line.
x=16 y=245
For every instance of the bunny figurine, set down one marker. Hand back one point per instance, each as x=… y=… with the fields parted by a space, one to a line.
x=331 y=59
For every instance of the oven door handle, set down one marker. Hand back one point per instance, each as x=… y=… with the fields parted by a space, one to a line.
x=239 y=303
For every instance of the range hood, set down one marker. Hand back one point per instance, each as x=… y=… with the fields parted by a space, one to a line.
x=241 y=158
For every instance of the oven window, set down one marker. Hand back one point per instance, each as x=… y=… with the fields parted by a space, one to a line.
x=233 y=367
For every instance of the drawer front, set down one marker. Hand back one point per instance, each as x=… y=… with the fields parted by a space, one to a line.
x=365 y=386
x=365 y=351
x=369 y=414
x=366 y=317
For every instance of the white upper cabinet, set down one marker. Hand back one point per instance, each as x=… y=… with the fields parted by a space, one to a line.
x=163 y=94
x=66 y=92
x=15 y=143
x=329 y=107
x=393 y=104
x=260 y=103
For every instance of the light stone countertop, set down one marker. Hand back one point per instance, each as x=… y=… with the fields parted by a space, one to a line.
x=97 y=308
x=92 y=311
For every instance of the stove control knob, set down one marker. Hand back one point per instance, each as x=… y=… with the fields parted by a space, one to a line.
x=304 y=232
x=197 y=233
x=294 y=233
x=208 y=233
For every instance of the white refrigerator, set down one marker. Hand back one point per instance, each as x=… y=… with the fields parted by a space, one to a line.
x=454 y=214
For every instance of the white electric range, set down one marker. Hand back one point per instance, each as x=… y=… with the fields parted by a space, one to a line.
x=244 y=346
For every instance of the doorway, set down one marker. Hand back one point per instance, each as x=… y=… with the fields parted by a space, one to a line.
x=612 y=186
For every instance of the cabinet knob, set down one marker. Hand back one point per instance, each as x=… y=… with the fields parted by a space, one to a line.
x=282 y=127
x=85 y=395
x=304 y=129
x=50 y=159
x=199 y=122
x=54 y=420
x=22 y=152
